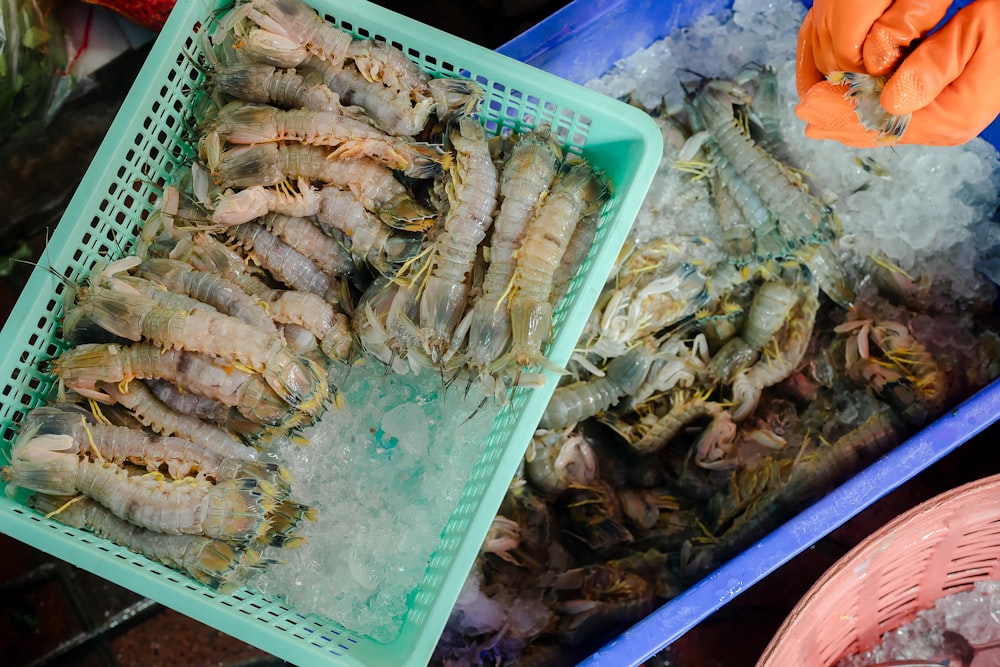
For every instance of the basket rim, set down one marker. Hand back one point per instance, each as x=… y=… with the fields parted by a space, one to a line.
x=871 y=546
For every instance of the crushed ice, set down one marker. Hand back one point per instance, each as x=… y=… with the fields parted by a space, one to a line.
x=974 y=614
x=930 y=209
x=385 y=472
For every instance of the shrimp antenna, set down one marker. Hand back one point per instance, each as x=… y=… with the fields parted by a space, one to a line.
x=352 y=358
x=157 y=184
x=69 y=284
x=63 y=279
x=445 y=382
x=476 y=411
x=192 y=60
x=686 y=86
x=116 y=242
x=454 y=376
x=468 y=385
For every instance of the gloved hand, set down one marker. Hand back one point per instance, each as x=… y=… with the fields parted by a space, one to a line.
x=947 y=82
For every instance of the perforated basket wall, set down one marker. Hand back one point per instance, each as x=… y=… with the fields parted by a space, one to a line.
x=145 y=146
x=940 y=547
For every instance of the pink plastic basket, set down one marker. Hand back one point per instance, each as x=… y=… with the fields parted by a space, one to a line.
x=942 y=546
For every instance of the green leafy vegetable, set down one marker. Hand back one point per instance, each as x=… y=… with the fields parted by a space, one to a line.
x=33 y=63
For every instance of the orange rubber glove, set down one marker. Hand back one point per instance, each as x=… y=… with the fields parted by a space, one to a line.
x=947 y=82
x=860 y=36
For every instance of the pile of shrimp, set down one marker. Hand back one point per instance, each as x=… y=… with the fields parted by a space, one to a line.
x=173 y=380
x=720 y=385
x=340 y=203
x=449 y=248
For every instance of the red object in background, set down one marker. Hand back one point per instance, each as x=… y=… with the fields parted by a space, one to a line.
x=150 y=14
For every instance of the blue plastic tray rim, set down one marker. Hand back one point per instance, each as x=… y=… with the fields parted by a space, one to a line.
x=575 y=43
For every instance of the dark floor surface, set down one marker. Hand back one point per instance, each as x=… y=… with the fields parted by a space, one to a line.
x=52 y=613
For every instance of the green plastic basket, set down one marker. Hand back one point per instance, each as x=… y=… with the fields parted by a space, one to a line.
x=146 y=144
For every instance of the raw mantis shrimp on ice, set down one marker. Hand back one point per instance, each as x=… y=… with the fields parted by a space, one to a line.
x=160 y=418
x=216 y=563
x=368 y=239
x=526 y=177
x=235 y=509
x=580 y=243
x=575 y=402
x=377 y=61
x=654 y=288
x=225 y=296
x=737 y=233
x=284 y=262
x=134 y=317
x=309 y=239
x=228 y=74
x=576 y=192
x=248 y=123
x=308 y=32
x=772 y=304
x=177 y=457
x=373 y=185
x=680 y=361
x=310 y=311
x=381 y=78
x=785 y=349
x=81 y=368
x=800 y=216
x=263 y=46
x=472 y=188
x=750 y=230
x=385 y=324
x=203 y=408
x=806 y=224
x=116 y=444
x=396 y=114
x=292 y=24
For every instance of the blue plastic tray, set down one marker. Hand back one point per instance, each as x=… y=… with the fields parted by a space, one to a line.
x=582 y=41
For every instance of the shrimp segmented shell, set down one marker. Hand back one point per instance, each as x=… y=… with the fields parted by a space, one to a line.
x=134 y=317
x=233 y=510
x=472 y=188
x=81 y=368
x=216 y=563
x=578 y=401
x=247 y=123
x=577 y=192
x=161 y=418
x=527 y=174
